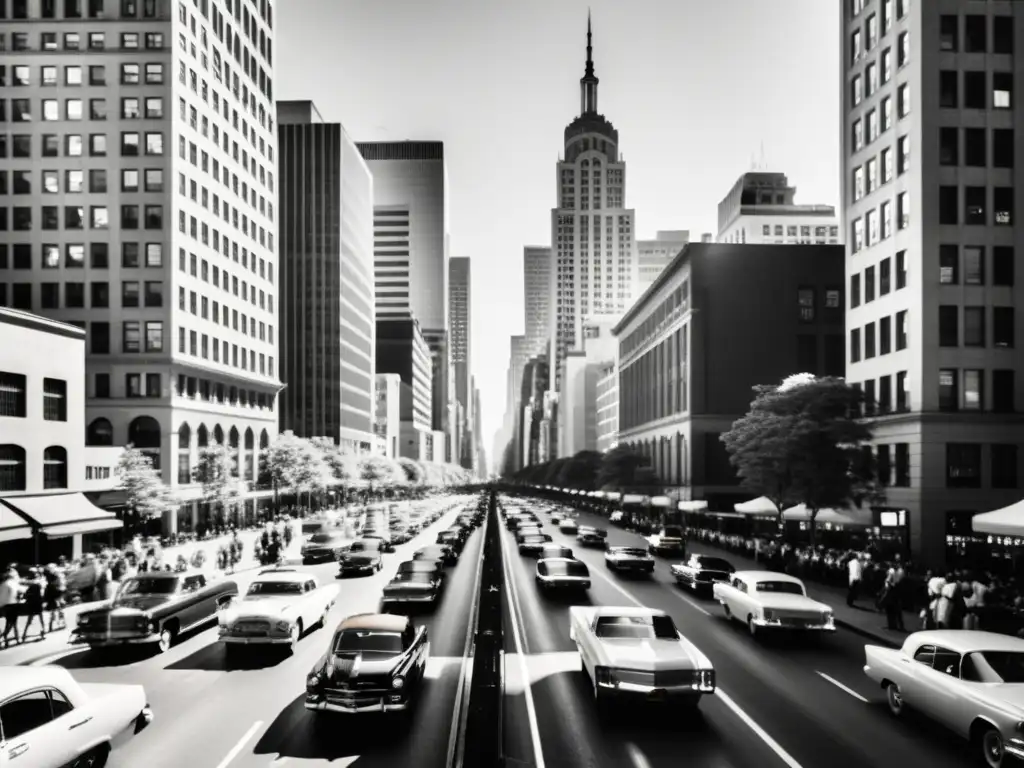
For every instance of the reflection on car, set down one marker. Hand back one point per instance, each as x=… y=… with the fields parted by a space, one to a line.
x=562 y=574
x=701 y=572
x=628 y=560
x=765 y=600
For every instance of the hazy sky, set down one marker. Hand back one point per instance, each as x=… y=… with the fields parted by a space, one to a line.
x=694 y=88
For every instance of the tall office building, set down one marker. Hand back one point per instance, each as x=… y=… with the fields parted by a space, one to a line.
x=410 y=242
x=592 y=232
x=761 y=209
x=401 y=349
x=927 y=125
x=459 y=313
x=325 y=227
x=537 y=272
x=654 y=255
x=141 y=152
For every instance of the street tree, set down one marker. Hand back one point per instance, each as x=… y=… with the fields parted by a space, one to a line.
x=413 y=471
x=217 y=472
x=580 y=471
x=759 y=448
x=622 y=467
x=148 y=498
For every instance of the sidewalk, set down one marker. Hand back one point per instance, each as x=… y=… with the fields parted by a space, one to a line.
x=58 y=641
x=864 y=620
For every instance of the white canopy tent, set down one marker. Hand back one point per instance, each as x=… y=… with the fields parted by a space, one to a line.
x=693 y=506
x=634 y=498
x=661 y=501
x=1008 y=521
x=762 y=505
x=612 y=495
x=849 y=516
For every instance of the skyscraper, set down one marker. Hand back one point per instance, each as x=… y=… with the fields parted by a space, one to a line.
x=144 y=155
x=592 y=232
x=537 y=298
x=410 y=240
x=459 y=316
x=326 y=287
x=654 y=255
x=761 y=208
x=929 y=213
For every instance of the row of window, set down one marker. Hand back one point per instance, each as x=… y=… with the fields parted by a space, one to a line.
x=230 y=283
x=885 y=279
x=133 y=144
x=981 y=148
x=202 y=306
x=150 y=385
x=965 y=390
x=970 y=206
x=965 y=465
x=14 y=397
x=876 y=225
x=968 y=264
x=83 y=9
x=878 y=337
x=974 y=333
x=134 y=293
x=18 y=256
x=132 y=180
x=14 y=464
x=77 y=218
x=976 y=37
x=805 y=230
x=209 y=348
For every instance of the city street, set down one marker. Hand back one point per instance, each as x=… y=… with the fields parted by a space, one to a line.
x=800 y=704
x=209 y=715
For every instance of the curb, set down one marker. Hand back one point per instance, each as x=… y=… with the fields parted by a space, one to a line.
x=879 y=639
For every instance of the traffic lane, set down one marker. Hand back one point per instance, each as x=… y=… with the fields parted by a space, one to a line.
x=191 y=687
x=371 y=740
x=569 y=730
x=791 y=686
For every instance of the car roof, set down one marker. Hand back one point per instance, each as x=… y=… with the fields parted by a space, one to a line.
x=384 y=622
x=421 y=565
x=565 y=560
x=627 y=611
x=964 y=641
x=14 y=680
x=626 y=546
x=767 y=576
x=286 y=577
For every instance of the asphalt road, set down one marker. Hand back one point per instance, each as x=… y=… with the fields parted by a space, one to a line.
x=210 y=715
x=780 y=704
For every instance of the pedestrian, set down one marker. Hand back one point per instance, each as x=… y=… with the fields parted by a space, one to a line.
x=53 y=595
x=10 y=608
x=33 y=603
x=855 y=570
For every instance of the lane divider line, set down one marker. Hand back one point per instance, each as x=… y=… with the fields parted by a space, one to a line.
x=240 y=745
x=638 y=758
x=456 y=745
x=842 y=687
x=675 y=590
x=524 y=670
x=725 y=698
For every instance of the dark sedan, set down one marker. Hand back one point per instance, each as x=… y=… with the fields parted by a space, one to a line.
x=439 y=553
x=409 y=589
x=531 y=546
x=323 y=546
x=450 y=539
x=562 y=574
x=362 y=558
x=434 y=568
x=700 y=572
x=588 y=536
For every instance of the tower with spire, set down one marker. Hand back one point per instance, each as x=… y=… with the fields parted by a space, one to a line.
x=593 y=234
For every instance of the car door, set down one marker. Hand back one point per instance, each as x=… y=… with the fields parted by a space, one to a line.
x=313 y=604
x=197 y=603
x=913 y=669
x=939 y=686
x=32 y=737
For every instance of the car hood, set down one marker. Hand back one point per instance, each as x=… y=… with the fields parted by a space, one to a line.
x=783 y=601
x=264 y=607
x=408 y=586
x=653 y=655
x=134 y=604
x=360 y=558
x=353 y=666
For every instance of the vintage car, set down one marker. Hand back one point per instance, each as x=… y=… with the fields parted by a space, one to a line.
x=628 y=559
x=362 y=558
x=523 y=531
x=531 y=545
x=324 y=546
x=701 y=572
x=567 y=525
x=410 y=588
x=450 y=539
x=765 y=600
x=155 y=608
x=440 y=553
x=279 y=607
x=669 y=541
x=638 y=653
x=525 y=521
x=555 y=550
x=589 y=536
x=970 y=682
x=383 y=535
x=50 y=720
x=562 y=574
x=435 y=568
x=375 y=663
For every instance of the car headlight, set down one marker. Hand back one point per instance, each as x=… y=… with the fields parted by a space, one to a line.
x=312 y=682
x=604 y=676
x=769 y=615
x=284 y=625
x=826 y=617
x=398 y=683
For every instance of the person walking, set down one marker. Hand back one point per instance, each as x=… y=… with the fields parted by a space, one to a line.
x=33 y=604
x=855 y=570
x=53 y=595
x=10 y=608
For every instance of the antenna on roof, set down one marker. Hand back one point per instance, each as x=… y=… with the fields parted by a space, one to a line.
x=764 y=165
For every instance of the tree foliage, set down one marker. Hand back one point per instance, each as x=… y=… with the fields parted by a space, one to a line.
x=216 y=471
x=624 y=468
x=620 y=468
x=803 y=443
x=147 y=496
x=298 y=465
x=581 y=471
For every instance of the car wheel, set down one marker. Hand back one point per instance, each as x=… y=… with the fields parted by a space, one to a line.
x=894 y=698
x=752 y=627
x=94 y=758
x=167 y=637
x=294 y=636
x=992 y=748
x=726 y=611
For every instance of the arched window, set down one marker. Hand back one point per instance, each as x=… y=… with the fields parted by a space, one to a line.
x=99 y=432
x=202 y=437
x=144 y=434
x=55 y=468
x=184 y=454
x=12 y=468
x=250 y=439
x=264 y=439
x=184 y=437
x=218 y=435
x=233 y=438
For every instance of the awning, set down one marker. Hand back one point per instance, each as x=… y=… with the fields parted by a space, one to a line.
x=612 y=495
x=661 y=501
x=693 y=506
x=1008 y=521
x=633 y=498
x=12 y=526
x=597 y=494
x=62 y=514
x=762 y=505
x=851 y=516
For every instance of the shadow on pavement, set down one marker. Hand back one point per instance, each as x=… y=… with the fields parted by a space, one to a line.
x=88 y=658
x=567 y=597
x=213 y=658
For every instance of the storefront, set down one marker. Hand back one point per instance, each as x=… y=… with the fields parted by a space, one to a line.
x=39 y=529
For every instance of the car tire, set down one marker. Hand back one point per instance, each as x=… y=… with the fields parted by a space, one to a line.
x=168 y=634
x=296 y=635
x=993 y=750
x=94 y=758
x=894 y=700
x=752 y=627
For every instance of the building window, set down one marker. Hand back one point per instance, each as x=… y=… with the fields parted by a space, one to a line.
x=1002 y=327
x=855 y=345
x=13 y=395
x=901 y=269
x=974 y=265
x=949 y=392
x=963 y=465
x=55 y=468
x=12 y=468
x=949 y=266
x=55 y=400
x=883 y=465
x=869 y=341
x=805 y=298
x=131 y=336
x=902 y=392
x=133 y=385
x=902 y=465
x=974 y=387
x=974 y=326
x=1003 y=395
x=949 y=326
x=1004 y=466
x=885 y=335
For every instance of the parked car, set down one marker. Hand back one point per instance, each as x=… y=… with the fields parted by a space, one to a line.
x=50 y=720
x=701 y=572
x=562 y=574
x=155 y=609
x=970 y=682
x=628 y=560
x=555 y=550
x=374 y=663
x=532 y=545
x=279 y=607
x=765 y=600
x=638 y=653
x=669 y=541
x=410 y=588
x=362 y=558
x=589 y=536
x=323 y=546
x=433 y=567
x=437 y=553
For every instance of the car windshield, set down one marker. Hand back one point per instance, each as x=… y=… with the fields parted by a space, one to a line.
x=429 y=554
x=148 y=586
x=636 y=628
x=368 y=641
x=320 y=538
x=364 y=546
x=672 y=532
x=415 y=577
x=993 y=667
x=263 y=588
x=534 y=539
x=312 y=527
x=630 y=551
x=715 y=564
x=564 y=568
x=557 y=550
x=780 y=587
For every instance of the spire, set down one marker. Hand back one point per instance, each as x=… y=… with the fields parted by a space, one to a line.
x=589 y=81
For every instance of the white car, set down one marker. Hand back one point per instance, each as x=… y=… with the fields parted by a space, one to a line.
x=638 y=653
x=970 y=682
x=281 y=604
x=767 y=600
x=50 y=720
x=568 y=525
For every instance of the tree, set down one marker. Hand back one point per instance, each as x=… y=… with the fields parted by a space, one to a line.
x=217 y=470
x=381 y=471
x=147 y=496
x=284 y=461
x=814 y=441
x=622 y=467
x=581 y=471
x=413 y=471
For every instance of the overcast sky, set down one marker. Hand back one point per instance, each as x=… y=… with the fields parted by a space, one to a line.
x=694 y=88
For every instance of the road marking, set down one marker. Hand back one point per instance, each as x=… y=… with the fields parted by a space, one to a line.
x=690 y=601
x=531 y=711
x=773 y=745
x=240 y=745
x=465 y=668
x=842 y=687
x=638 y=757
